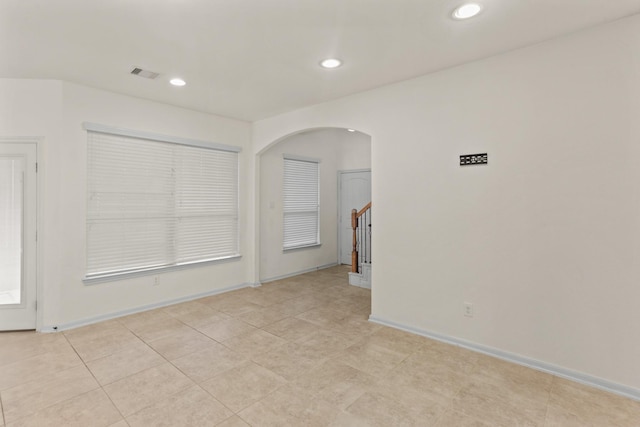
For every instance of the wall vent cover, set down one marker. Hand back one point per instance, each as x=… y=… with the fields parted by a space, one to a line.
x=144 y=73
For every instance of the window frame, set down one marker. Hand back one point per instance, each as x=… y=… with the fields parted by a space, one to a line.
x=174 y=263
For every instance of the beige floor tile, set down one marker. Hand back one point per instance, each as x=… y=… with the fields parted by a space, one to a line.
x=254 y=343
x=136 y=392
x=128 y=361
x=430 y=358
x=156 y=329
x=560 y=417
x=17 y=346
x=323 y=316
x=325 y=343
x=342 y=370
x=240 y=387
x=90 y=409
x=346 y=419
x=225 y=329
x=266 y=298
x=36 y=367
x=180 y=344
x=497 y=411
x=289 y=360
x=183 y=308
x=28 y=398
x=202 y=315
x=289 y=406
x=102 y=343
x=205 y=364
x=508 y=388
x=335 y=383
x=355 y=326
x=510 y=374
x=263 y=316
x=439 y=382
x=399 y=341
x=370 y=358
x=298 y=305
x=379 y=410
x=93 y=329
x=230 y=304
x=270 y=413
x=292 y=329
x=140 y=321
x=349 y=305
x=590 y=405
x=234 y=421
x=187 y=408
x=456 y=419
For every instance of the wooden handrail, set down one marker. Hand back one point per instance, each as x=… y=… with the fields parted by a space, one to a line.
x=363 y=210
x=355 y=215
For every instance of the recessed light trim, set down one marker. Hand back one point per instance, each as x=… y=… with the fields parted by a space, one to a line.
x=330 y=63
x=351 y=130
x=466 y=11
x=177 y=81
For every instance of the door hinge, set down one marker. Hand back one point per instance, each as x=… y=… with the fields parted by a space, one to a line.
x=36 y=167
x=35 y=304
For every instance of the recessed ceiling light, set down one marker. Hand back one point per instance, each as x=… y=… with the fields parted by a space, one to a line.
x=351 y=130
x=467 y=11
x=331 y=63
x=177 y=82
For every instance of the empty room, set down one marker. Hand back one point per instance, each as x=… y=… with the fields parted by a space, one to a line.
x=193 y=195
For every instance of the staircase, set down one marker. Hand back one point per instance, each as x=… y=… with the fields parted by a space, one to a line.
x=361 y=254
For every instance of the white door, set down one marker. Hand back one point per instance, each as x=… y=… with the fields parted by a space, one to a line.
x=17 y=236
x=355 y=193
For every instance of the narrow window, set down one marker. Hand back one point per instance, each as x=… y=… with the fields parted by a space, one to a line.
x=301 y=205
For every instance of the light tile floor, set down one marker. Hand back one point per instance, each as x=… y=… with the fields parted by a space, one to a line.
x=297 y=352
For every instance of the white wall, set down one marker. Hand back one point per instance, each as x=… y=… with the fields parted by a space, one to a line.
x=545 y=239
x=56 y=111
x=337 y=150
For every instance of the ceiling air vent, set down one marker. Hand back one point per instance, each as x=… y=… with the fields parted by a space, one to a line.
x=144 y=73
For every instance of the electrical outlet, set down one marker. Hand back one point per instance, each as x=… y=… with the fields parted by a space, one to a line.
x=156 y=281
x=468 y=309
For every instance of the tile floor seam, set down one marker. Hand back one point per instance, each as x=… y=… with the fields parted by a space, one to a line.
x=170 y=396
x=56 y=402
x=94 y=377
x=546 y=409
x=218 y=400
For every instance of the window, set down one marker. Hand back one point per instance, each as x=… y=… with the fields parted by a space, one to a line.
x=158 y=202
x=301 y=202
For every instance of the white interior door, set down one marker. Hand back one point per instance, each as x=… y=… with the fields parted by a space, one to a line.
x=355 y=192
x=17 y=236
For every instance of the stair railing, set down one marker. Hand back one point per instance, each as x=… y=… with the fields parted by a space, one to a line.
x=361 y=224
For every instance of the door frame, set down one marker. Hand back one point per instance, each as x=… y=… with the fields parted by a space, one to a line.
x=339 y=193
x=38 y=142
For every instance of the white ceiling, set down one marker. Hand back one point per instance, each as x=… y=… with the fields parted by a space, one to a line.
x=251 y=59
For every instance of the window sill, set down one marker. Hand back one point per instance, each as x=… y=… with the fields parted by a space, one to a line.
x=298 y=248
x=111 y=277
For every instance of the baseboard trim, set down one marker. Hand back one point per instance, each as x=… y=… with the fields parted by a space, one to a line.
x=297 y=273
x=121 y=313
x=558 y=371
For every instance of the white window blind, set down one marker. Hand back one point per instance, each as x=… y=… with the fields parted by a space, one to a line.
x=301 y=203
x=154 y=204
